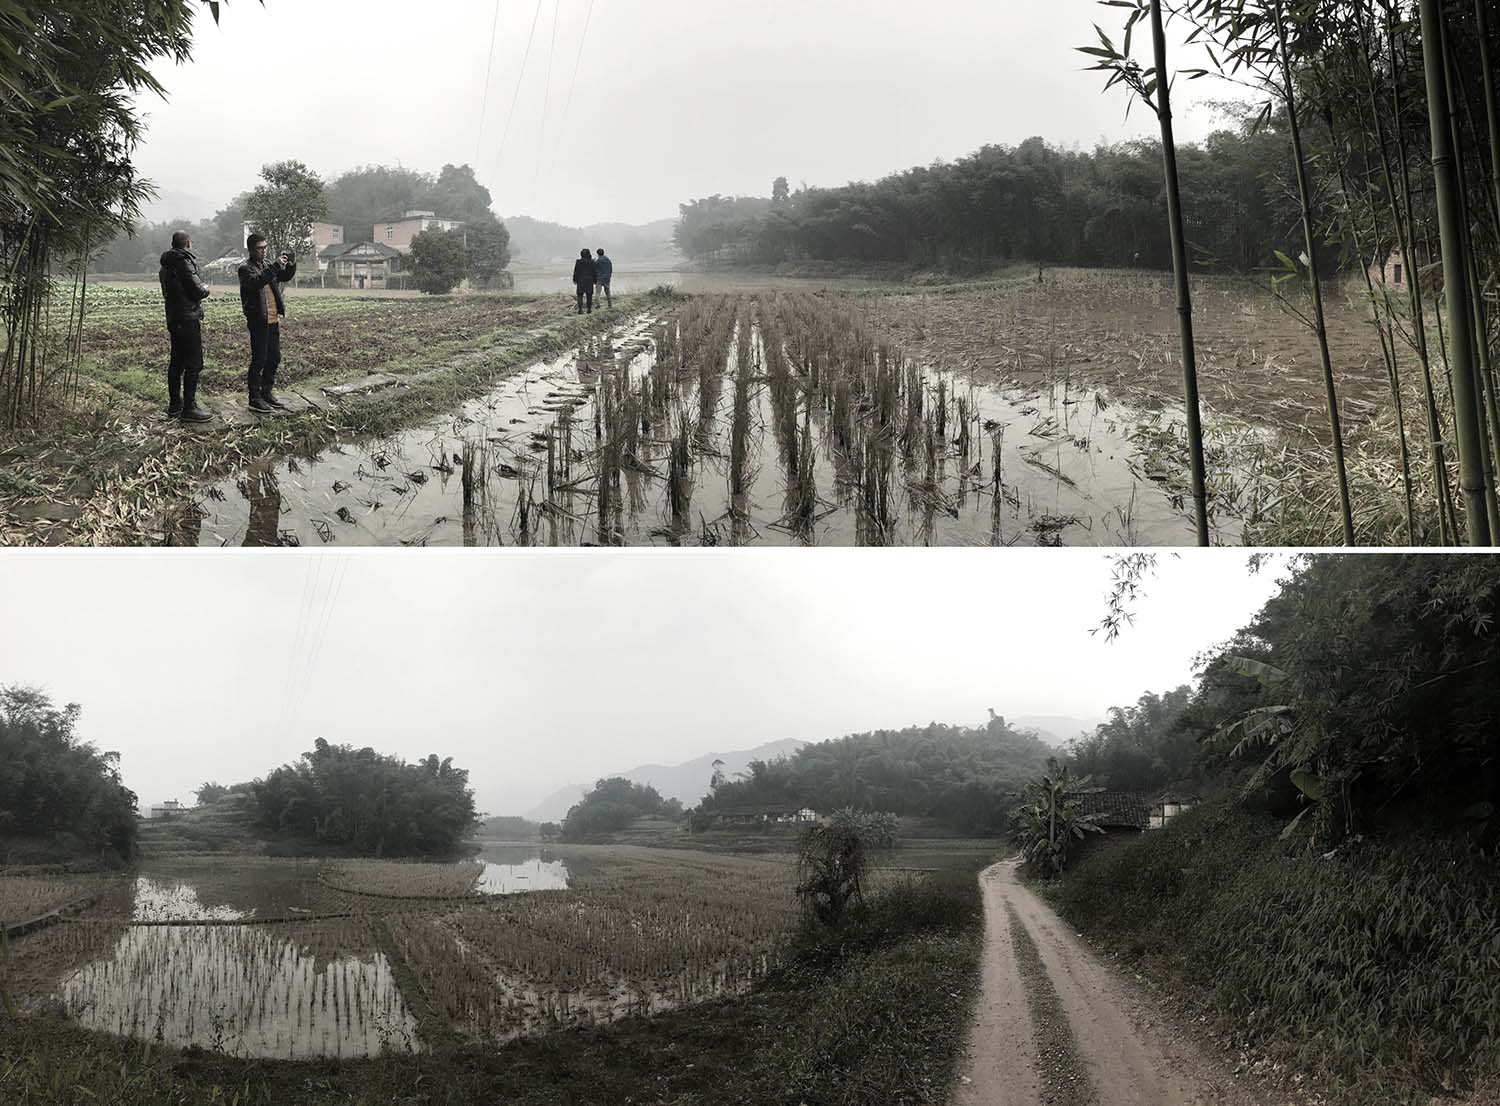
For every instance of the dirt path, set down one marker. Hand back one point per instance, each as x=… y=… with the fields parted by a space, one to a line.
x=1120 y=1054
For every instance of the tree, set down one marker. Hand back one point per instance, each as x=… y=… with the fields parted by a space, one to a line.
x=286 y=205
x=612 y=805
x=438 y=260
x=210 y=793
x=488 y=249
x=1051 y=819
x=833 y=860
x=56 y=787
x=779 y=191
x=367 y=801
x=360 y=198
x=456 y=194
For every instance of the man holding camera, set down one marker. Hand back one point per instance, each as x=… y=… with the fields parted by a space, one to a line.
x=183 y=291
x=260 y=296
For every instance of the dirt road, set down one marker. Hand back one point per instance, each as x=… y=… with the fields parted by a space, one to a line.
x=1100 y=1045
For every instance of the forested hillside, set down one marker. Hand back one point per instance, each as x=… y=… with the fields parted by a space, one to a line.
x=967 y=777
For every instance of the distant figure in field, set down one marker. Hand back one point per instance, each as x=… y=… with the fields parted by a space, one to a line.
x=584 y=274
x=184 y=292
x=260 y=296
x=604 y=268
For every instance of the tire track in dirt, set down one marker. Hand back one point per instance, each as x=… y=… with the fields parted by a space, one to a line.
x=1131 y=1059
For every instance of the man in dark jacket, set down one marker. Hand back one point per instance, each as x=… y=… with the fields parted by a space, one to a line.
x=584 y=275
x=260 y=296
x=604 y=268
x=184 y=292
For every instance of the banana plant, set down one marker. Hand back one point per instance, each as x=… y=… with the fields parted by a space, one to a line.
x=1051 y=819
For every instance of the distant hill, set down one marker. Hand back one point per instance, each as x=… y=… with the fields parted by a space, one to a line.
x=687 y=782
x=1054 y=729
x=536 y=242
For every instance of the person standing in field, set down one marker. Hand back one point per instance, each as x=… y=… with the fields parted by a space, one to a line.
x=584 y=278
x=260 y=296
x=604 y=268
x=183 y=291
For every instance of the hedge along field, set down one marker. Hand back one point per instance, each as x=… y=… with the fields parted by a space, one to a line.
x=125 y=343
x=1376 y=969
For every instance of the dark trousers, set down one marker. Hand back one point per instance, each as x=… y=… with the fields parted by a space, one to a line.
x=585 y=292
x=604 y=284
x=265 y=357
x=186 y=363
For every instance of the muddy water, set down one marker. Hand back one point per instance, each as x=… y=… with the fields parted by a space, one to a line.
x=242 y=990
x=1052 y=464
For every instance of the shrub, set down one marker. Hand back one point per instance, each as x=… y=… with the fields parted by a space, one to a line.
x=1376 y=967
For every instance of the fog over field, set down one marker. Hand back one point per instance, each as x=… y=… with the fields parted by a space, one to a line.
x=539 y=670
x=673 y=99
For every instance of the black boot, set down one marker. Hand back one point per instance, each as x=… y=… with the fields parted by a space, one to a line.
x=190 y=411
x=260 y=406
x=270 y=400
x=174 y=393
x=267 y=381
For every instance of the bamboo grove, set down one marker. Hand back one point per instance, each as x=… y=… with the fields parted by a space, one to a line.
x=1388 y=112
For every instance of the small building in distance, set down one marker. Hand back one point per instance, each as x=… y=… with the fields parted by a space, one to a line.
x=1116 y=810
x=1393 y=270
x=765 y=814
x=169 y=809
x=360 y=265
x=1168 y=807
x=398 y=233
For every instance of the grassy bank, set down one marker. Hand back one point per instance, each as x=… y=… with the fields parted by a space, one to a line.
x=110 y=469
x=872 y=1013
x=1374 y=969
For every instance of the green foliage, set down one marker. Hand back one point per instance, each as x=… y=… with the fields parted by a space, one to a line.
x=360 y=198
x=210 y=793
x=1143 y=747
x=1032 y=201
x=360 y=799
x=438 y=261
x=965 y=776
x=612 y=805
x=1372 y=968
x=488 y=249
x=57 y=787
x=834 y=858
x=286 y=205
x=1050 y=819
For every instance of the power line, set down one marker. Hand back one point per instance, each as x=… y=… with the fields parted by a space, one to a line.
x=514 y=96
x=541 y=138
x=484 y=101
x=573 y=81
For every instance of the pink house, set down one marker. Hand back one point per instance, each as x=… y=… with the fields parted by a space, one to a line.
x=398 y=233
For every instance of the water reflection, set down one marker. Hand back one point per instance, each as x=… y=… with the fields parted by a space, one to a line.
x=535 y=874
x=241 y=990
x=175 y=901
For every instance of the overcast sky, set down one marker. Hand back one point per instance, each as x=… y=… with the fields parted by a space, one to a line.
x=534 y=670
x=673 y=99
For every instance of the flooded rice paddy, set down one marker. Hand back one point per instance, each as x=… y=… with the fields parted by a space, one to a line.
x=185 y=954
x=739 y=420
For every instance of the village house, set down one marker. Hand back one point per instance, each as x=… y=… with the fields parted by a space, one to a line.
x=1393 y=270
x=1116 y=810
x=1168 y=807
x=360 y=264
x=169 y=809
x=398 y=233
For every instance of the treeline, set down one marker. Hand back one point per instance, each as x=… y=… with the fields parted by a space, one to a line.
x=367 y=802
x=612 y=805
x=355 y=200
x=59 y=795
x=1365 y=684
x=1034 y=201
x=965 y=777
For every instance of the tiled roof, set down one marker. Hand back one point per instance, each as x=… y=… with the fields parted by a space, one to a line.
x=1116 y=809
